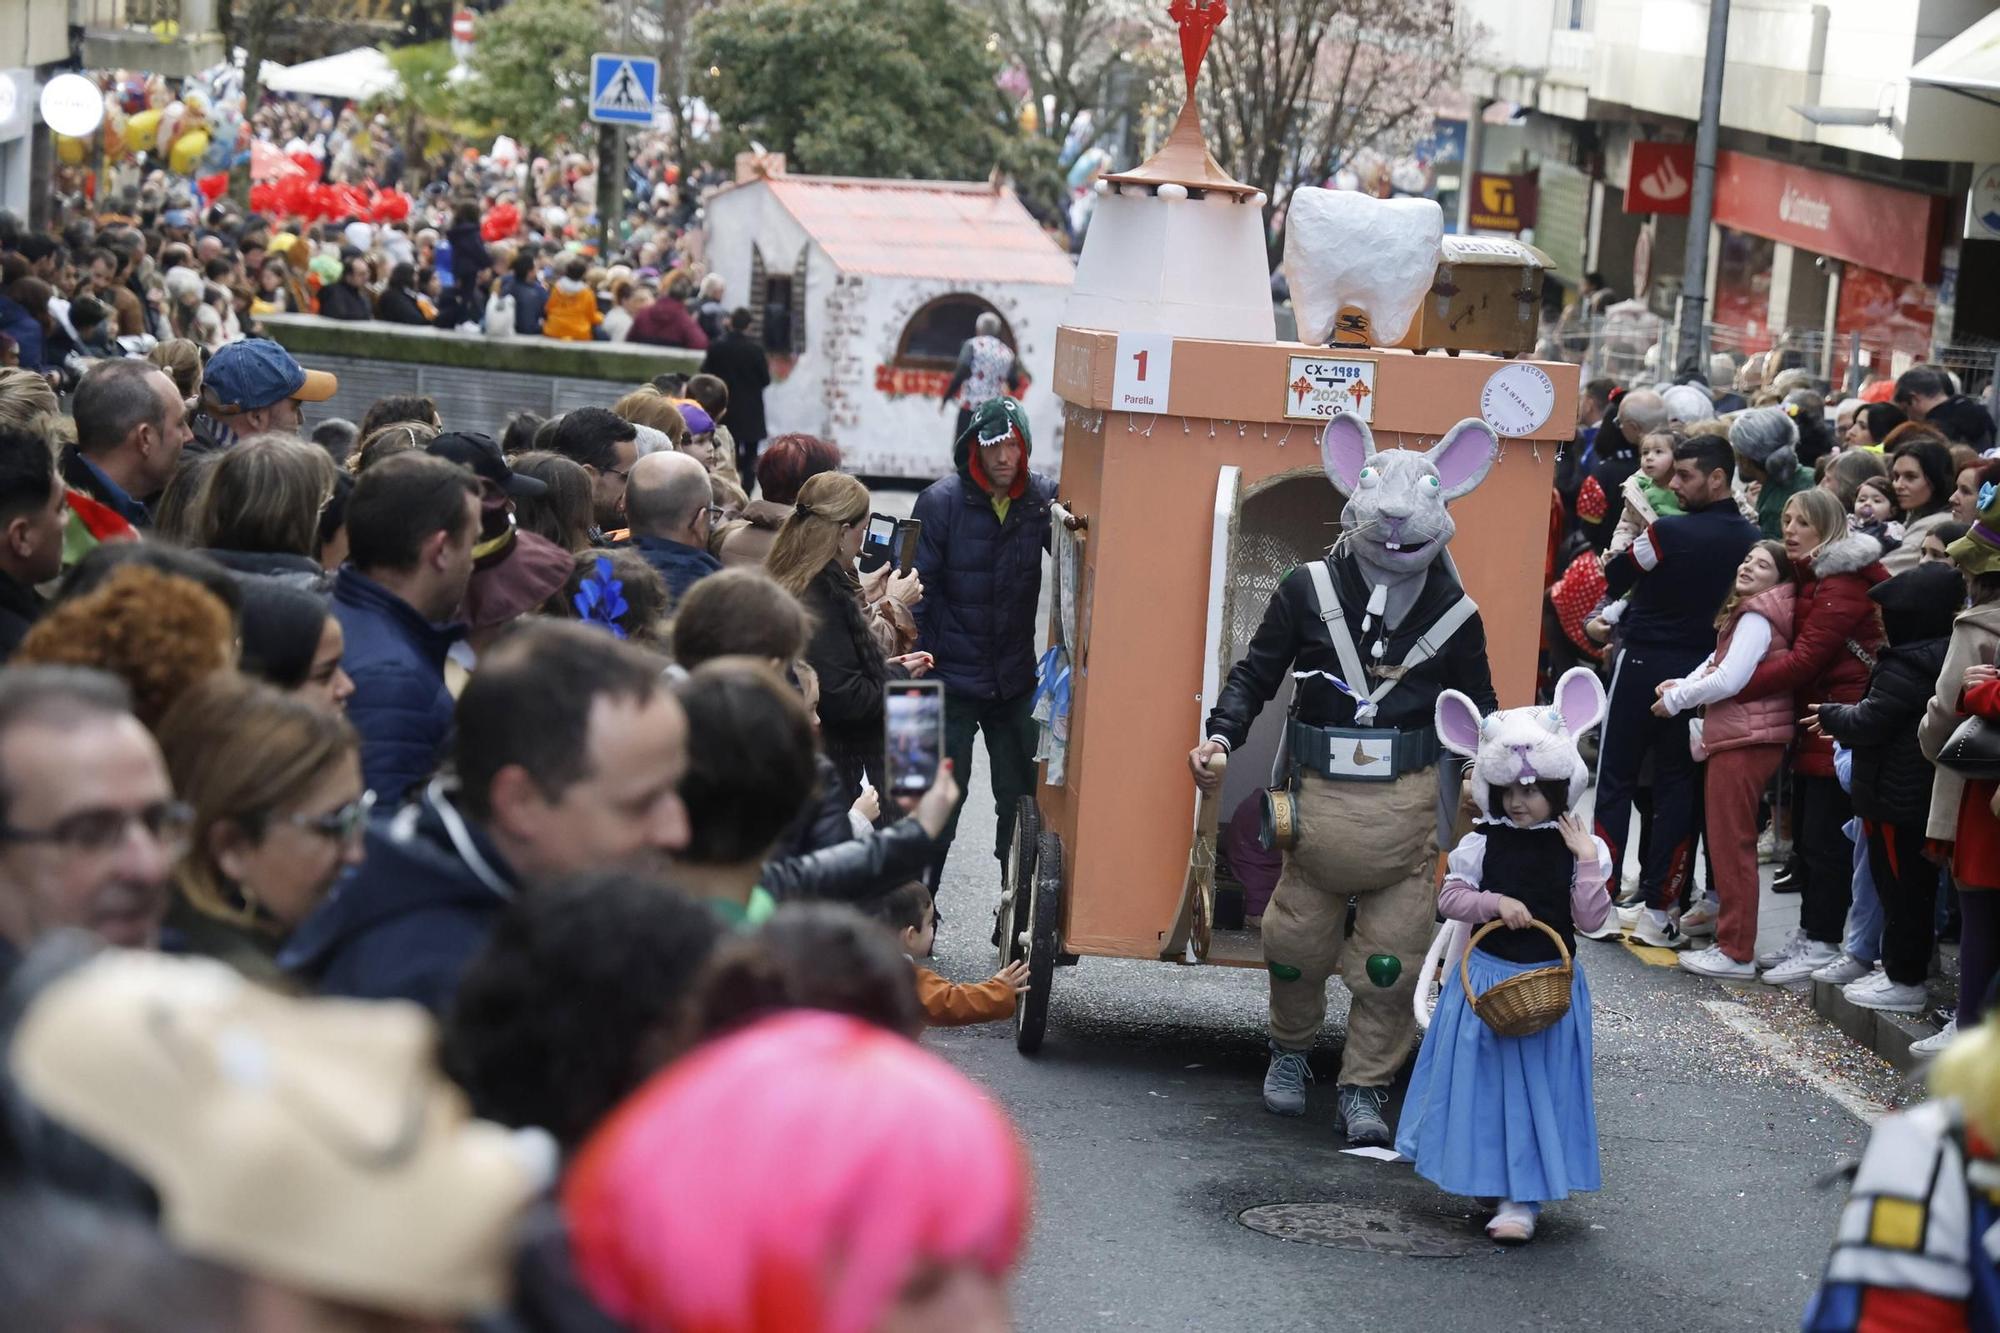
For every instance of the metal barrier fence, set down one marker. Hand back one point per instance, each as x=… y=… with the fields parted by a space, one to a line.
x=1634 y=346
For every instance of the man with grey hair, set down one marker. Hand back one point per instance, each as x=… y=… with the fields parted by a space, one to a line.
x=1688 y=404
x=672 y=512
x=709 y=311
x=131 y=425
x=987 y=369
x=89 y=829
x=1722 y=384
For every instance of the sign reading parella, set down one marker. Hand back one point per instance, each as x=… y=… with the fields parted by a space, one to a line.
x=1660 y=178
x=1898 y=232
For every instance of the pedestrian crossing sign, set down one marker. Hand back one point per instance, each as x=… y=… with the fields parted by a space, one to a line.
x=622 y=89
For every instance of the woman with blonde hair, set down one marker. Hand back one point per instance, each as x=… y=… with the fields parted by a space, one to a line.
x=274 y=782
x=28 y=403
x=812 y=558
x=647 y=406
x=259 y=510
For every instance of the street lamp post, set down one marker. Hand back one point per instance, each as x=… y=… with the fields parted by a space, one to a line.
x=1701 y=207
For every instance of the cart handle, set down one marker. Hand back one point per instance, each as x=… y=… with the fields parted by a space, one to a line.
x=1074 y=522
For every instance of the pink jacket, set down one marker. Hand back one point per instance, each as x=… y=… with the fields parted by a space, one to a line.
x=1734 y=723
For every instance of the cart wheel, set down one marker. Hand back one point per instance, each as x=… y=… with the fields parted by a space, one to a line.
x=1042 y=926
x=1018 y=881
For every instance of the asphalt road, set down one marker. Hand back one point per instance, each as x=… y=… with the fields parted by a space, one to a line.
x=1720 y=1112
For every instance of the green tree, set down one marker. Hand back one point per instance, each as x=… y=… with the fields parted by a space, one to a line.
x=531 y=71
x=895 y=88
x=424 y=101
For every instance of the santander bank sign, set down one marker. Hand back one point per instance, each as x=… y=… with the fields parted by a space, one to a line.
x=1803 y=210
x=1891 y=230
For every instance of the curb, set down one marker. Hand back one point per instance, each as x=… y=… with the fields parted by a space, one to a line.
x=1888 y=1035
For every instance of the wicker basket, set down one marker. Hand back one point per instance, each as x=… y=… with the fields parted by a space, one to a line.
x=1525 y=1004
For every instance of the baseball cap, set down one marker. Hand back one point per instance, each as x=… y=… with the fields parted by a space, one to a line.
x=177 y=217
x=312 y=1143
x=483 y=456
x=255 y=372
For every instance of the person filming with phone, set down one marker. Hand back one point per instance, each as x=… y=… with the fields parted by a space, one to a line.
x=979 y=555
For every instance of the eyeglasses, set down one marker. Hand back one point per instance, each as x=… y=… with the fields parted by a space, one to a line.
x=344 y=825
x=716 y=513
x=105 y=829
x=620 y=473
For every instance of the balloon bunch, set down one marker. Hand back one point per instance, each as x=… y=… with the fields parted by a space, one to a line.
x=502 y=220
x=315 y=200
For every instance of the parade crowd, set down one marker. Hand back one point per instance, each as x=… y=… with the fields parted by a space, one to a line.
x=447 y=878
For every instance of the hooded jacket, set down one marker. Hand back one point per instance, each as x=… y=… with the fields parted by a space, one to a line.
x=982 y=577
x=1835 y=635
x=667 y=323
x=1892 y=779
x=1975 y=637
x=571 y=311
x=408 y=921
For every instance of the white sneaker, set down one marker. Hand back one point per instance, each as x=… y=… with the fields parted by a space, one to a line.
x=1767 y=845
x=1876 y=979
x=1610 y=930
x=1713 y=962
x=1700 y=919
x=1809 y=960
x=1937 y=1041
x=1628 y=917
x=1896 y=999
x=1658 y=930
x=1794 y=942
x=1844 y=969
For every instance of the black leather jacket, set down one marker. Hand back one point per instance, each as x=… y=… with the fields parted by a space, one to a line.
x=1293 y=637
x=853 y=870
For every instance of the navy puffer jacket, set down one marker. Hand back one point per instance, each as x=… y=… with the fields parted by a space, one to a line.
x=982 y=580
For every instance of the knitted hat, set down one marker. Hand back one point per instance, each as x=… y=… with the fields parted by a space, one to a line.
x=1978 y=551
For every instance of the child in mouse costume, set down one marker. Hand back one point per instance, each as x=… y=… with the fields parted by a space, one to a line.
x=1513 y=1118
x=1371 y=636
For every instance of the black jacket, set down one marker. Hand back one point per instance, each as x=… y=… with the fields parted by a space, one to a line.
x=740 y=363
x=856 y=869
x=1892 y=779
x=20 y=607
x=982 y=579
x=299 y=571
x=1679 y=573
x=399 y=307
x=1963 y=420
x=408 y=921
x=531 y=302
x=1292 y=636
x=341 y=301
x=850 y=666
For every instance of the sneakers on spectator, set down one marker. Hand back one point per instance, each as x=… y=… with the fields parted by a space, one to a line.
x=1610 y=930
x=1802 y=965
x=1699 y=919
x=1628 y=917
x=1769 y=849
x=1937 y=1041
x=1361 y=1116
x=1886 y=994
x=1874 y=980
x=1844 y=969
x=1285 y=1082
x=1713 y=962
x=1659 y=930
x=1793 y=943
x=1785 y=881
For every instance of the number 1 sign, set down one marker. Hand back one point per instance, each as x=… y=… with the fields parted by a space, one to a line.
x=1145 y=371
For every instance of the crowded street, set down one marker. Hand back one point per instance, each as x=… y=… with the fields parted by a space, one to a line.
x=957 y=666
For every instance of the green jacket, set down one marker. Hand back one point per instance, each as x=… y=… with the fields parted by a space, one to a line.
x=1771 y=500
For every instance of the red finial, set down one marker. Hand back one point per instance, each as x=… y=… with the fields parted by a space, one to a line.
x=1198 y=20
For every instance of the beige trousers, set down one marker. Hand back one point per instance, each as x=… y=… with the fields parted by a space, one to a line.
x=1374 y=842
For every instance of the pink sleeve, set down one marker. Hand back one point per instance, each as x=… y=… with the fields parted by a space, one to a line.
x=1589 y=904
x=1459 y=901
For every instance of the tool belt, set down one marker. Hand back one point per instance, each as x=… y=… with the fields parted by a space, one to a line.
x=1362 y=754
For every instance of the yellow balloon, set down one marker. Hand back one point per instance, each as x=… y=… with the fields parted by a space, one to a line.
x=69 y=150
x=187 y=151
x=139 y=130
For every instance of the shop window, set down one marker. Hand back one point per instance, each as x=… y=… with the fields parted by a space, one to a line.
x=934 y=335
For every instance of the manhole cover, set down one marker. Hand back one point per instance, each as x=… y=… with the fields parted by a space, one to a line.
x=1344 y=1226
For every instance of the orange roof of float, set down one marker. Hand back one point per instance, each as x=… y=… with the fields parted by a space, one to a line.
x=958 y=231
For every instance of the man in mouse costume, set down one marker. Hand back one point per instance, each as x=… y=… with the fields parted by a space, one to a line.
x=1370 y=635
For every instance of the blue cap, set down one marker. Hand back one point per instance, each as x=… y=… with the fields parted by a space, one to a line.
x=177 y=217
x=256 y=372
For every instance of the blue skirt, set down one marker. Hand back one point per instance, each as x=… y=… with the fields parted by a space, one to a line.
x=1503 y=1117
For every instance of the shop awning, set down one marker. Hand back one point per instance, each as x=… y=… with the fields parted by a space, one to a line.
x=1969 y=62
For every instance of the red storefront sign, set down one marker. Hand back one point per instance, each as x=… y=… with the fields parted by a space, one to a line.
x=1660 y=178
x=1892 y=231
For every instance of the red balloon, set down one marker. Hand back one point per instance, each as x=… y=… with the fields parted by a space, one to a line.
x=502 y=220
x=309 y=164
x=212 y=187
x=263 y=198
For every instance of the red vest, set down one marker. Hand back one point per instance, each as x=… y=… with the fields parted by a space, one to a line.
x=1732 y=724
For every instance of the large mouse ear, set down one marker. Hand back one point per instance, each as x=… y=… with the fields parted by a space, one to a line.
x=1345 y=447
x=1580 y=699
x=1458 y=723
x=1464 y=456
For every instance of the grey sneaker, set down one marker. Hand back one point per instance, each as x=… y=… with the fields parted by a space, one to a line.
x=1361 y=1116
x=1285 y=1082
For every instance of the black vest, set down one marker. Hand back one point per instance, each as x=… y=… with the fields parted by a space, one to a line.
x=1536 y=866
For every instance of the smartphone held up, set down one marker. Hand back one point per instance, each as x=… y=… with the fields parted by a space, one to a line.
x=913 y=723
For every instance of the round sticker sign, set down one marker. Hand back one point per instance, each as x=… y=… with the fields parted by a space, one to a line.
x=72 y=105
x=1517 y=399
